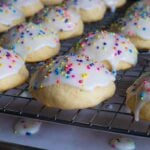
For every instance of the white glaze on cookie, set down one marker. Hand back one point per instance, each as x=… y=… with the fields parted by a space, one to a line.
x=141 y=91
x=9 y=14
x=122 y=143
x=59 y=18
x=85 y=4
x=101 y=46
x=27 y=38
x=73 y=70
x=20 y=4
x=10 y=63
x=27 y=127
x=137 y=20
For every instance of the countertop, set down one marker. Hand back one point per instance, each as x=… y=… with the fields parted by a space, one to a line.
x=55 y=137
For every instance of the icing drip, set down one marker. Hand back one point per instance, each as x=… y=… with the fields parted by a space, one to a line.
x=10 y=63
x=137 y=20
x=26 y=94
x=28 y=38
x=137 y=110
x=112 y=4
x=101 y=46
x=85 y=4
x=59 y=18
x=8 y=14
x=74 y=70
x=141 y=90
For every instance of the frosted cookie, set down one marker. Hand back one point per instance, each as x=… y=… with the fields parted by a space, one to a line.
x=32 y=42
x=113 y=50
x=136 y=24
x=72 y=82
x=51 y=2
x=27 y=7
x=122 y=143
x=27 y=127
x=90 y=10
x=9 y=17
x=138 y=98
x=65 y=21
x=113 y=4
x=12 y=70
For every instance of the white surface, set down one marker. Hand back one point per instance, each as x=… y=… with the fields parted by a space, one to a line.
x=62 y=137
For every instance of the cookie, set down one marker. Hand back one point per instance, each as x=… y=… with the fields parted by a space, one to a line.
x=136 y=24
x=90 y=10
x=9 y=17
x=113 y=50
x=138 y=98
x=65 y=21
x=32 y=42
x=72 y=82
x=27 y=7
x=13 y=71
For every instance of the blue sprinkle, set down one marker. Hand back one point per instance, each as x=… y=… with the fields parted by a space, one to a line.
x=28 y=134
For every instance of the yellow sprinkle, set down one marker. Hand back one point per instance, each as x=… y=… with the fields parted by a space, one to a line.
x=84 y=75
x=62 y=63
x=63 y=73
x=41 y=86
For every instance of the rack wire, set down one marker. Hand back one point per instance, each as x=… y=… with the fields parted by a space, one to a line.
x=109 y=116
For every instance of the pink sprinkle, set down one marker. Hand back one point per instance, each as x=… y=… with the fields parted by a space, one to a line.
x=90 y=34
x=131 y=33
x=83 y=44
x=73 y=76
x=80 y=81
x=58 y=81
x=145 y=82
x=88 y=67
x=69 y=65
x=113 y=145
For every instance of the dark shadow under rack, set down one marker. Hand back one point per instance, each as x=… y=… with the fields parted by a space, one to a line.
x=109 y=116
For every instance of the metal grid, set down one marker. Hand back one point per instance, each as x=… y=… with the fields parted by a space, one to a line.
x=108 y=116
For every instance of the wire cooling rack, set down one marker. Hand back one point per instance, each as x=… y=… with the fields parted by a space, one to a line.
x=109 y=116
